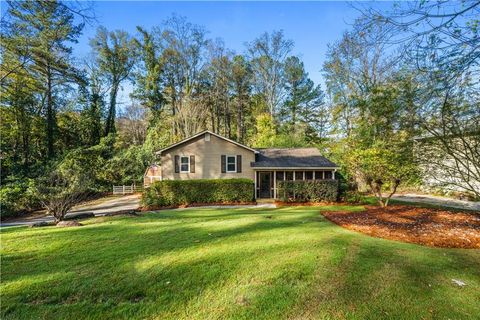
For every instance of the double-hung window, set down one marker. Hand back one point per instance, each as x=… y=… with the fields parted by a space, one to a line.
x=184 y=164
x=231 y=164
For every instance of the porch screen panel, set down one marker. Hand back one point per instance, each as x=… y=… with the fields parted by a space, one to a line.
x=328 y=175
x=298 y=175
x=318 y=175
x=289 y=175
x=308 y=175
x=279 y=175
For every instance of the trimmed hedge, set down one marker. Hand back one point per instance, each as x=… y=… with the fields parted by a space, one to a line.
x=308 y=190
x=172 y=193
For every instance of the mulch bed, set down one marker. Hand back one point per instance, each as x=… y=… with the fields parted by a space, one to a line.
x=426 y=226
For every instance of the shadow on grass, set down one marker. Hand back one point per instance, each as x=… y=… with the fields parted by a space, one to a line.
x=183 y=265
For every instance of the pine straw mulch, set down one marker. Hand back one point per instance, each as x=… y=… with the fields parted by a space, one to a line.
x=425 y=226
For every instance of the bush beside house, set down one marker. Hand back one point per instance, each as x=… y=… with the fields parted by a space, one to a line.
x=308 y=191
x=172 y=193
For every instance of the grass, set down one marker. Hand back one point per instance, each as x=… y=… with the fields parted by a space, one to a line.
x=287 y=263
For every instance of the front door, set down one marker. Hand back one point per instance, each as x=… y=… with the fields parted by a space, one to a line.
x=265 y=179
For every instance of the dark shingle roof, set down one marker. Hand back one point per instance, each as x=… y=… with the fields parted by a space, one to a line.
x=292 y=157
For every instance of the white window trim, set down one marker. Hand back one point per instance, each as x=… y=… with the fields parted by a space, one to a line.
x=188 y=163
x=226 y=163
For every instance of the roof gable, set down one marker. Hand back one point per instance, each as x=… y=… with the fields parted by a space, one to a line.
x=200 y=134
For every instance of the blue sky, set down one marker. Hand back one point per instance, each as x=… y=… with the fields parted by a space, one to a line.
x=311 y=25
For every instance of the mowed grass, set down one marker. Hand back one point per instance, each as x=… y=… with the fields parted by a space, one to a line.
x=287 y=263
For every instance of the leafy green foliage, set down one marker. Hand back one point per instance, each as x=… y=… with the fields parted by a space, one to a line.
x=354 y=197
x=382 y=166
x=17 y=198
x=308 y=190
x=126 y=167
x=170 y=193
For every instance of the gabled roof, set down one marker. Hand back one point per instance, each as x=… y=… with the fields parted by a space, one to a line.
x=202 y=133
x=291 y=158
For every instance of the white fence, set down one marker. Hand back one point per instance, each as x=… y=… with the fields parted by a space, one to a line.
x=126 y=189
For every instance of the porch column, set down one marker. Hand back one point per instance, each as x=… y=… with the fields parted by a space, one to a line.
x=274 y=184
x=255 y=186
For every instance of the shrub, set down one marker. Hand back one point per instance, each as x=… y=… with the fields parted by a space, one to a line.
x=171 y=193
x=308 y=190
x=354 y=197
x=17 y=198
x=59 y=193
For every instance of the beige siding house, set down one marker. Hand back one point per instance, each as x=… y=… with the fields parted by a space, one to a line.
x=208 y=155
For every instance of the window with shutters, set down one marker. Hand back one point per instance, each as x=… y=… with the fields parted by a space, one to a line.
x=231 y=164
x=184 y=164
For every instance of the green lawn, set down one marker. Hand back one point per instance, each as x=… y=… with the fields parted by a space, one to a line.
x=287 y=263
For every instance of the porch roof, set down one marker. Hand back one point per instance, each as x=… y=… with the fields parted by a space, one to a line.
x=291 y=158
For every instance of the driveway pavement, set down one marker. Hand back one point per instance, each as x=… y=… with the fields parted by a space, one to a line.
x=99 y=207
x=439 y=201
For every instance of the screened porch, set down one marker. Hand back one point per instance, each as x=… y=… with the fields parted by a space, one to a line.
x=266 y=180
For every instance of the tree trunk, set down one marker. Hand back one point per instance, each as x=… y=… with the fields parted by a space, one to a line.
x=239 y=120
x=50 y=116
x=95 y=130
x=110 y=123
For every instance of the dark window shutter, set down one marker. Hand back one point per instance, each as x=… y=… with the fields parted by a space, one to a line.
x=192 y=164
x=177 y=168
x=239 y=163
x=223 y=163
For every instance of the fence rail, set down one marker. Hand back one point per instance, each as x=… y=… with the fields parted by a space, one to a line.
x=126 y=189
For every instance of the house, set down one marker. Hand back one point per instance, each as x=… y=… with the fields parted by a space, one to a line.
x=208 y=155
x=449 y=163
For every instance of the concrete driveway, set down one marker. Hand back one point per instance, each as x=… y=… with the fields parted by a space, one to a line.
x=99 y=207
x=439 y=201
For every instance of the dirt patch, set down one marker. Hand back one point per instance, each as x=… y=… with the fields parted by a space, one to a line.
x=426 y=226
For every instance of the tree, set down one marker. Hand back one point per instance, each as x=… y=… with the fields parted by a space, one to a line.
x=265 y=131
x=217 y=76
x=48 y=26
x=19 y=112
x=439 y=39
x=184 y=47
x=267 y=56
x=58 y=194
x=115 y=53
x=304 y=101
x=241 y=83
x=354 y=65
x=382 y=166
x=149 y=85
x=132 y=124
x=93 y=97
